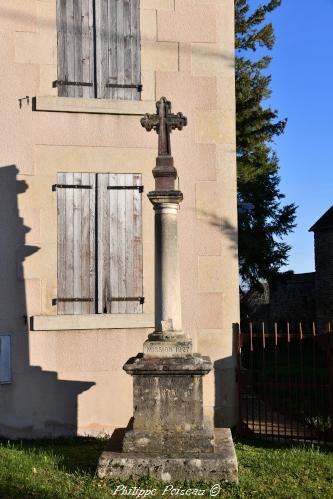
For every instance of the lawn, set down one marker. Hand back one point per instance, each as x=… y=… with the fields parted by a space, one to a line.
x=62 y=469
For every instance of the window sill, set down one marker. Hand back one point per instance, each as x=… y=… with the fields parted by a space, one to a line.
x=93 y=321
x=94 y=106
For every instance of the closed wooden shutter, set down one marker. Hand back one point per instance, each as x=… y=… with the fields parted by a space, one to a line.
x=118 y=48
x=119 y=243
x=76 y=243
x=75 y=31
x=5 y=359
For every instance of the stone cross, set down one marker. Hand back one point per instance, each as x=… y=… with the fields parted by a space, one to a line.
x=163 y=122
x=174 y=437
x=166 y=200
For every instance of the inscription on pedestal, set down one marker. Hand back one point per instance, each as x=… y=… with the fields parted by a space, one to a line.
x=166 y=349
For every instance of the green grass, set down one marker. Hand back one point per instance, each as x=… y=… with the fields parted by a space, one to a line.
x=62 y=469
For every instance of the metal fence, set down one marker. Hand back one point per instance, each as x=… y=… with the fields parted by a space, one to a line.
x=285 y=382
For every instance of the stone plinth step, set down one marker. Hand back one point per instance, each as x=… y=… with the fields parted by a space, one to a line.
x=219 y=465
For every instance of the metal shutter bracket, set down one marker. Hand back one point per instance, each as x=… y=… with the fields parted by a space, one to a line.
x=60 y=83
x=119 y=187
x=68 y=186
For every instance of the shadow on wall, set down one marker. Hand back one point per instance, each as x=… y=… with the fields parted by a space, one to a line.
x=222 y=225
x=36 y=403
x=225 y=387
x=226 y=399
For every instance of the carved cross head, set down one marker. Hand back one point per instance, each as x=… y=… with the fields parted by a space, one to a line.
x=163 y=122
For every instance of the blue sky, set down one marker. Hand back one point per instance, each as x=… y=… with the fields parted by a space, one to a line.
x=302 y=84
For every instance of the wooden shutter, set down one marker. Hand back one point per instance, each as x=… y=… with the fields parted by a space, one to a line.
x=5 y=359
x=119 y=243
x=76 y=243
x=118 y=48
x=75 y=27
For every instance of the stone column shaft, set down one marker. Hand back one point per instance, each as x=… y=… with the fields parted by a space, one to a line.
x=167 y=281
x=168 y=339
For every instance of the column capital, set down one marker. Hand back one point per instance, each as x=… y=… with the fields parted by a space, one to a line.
x=158 y=198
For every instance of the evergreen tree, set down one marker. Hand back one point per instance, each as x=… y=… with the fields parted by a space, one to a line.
x=263 y=221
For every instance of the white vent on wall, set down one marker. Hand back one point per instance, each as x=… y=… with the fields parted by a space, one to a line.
x=5 y=359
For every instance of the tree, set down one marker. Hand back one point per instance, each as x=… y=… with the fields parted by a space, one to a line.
x=262 y=219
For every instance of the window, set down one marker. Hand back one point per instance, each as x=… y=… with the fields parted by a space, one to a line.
x=98 y=49
x=99 y=243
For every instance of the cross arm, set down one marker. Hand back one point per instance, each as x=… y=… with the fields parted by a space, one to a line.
x=150 y=122
x=176 y=121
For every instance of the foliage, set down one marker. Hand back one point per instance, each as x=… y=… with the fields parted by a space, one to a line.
x=65 y=469
x=264 y=221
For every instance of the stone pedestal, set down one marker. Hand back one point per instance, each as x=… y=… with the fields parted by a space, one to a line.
x=171 y=439
x=168 y=406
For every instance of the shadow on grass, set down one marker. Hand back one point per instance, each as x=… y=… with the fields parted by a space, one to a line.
x=78 y=454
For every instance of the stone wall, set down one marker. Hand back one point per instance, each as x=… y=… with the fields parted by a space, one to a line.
x=323 y=240
x=292 y=300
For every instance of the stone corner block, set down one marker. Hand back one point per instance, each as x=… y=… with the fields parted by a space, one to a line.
x=158 y=4
x=208 y=202
x=159 y=56
x=148 y=24
x=215 y=127
x=210 y=274
x=185 y=24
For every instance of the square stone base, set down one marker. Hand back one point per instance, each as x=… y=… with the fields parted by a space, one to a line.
x=216 y=466
x=168 y=406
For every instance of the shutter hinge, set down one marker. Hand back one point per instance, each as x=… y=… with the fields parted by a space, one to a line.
x=60 y=83
x=140 y=299
x=55 y=301
x=113 y=187
x=139 y=86
x=68 y=186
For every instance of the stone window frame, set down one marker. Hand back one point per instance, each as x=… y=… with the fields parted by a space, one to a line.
x=47 y=98
x=49 y=320
x=99 y=257
x=99 y=45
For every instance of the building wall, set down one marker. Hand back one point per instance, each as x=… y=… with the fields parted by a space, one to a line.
x=291 y=300
x=324 y=277
x=67 y=373
x=294 y=301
